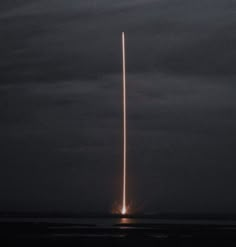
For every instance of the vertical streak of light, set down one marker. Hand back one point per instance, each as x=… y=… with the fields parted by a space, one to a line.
x=124 y=125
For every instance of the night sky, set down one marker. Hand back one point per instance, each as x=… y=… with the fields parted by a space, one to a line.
x=61 y=108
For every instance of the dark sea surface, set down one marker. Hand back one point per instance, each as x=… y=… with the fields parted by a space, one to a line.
x=116 y=231
x=118 y=221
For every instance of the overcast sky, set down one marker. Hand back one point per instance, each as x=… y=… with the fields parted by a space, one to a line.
x=61 y=111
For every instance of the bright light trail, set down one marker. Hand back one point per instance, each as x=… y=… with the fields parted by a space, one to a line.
x=123 y=211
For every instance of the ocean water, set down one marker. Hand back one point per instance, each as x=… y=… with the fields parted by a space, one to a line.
x=115 y=222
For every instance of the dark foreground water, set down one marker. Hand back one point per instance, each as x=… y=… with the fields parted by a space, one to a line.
x=116 y=231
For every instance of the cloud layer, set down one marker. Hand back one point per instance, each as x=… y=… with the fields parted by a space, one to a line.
x=60 y=89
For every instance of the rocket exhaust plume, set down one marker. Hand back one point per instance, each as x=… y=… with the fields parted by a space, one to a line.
x=123 y=211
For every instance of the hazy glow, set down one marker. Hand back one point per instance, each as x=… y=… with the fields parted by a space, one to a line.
x=124 y=126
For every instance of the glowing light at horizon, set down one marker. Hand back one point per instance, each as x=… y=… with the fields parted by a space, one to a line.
x=123 y=211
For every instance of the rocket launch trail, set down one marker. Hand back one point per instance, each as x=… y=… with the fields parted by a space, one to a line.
x=123 y=211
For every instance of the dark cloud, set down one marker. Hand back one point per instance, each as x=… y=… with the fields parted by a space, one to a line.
x=61 y=106
x=51 y=41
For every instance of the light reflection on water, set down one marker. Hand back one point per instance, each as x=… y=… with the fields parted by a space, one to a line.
x=126 y=221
